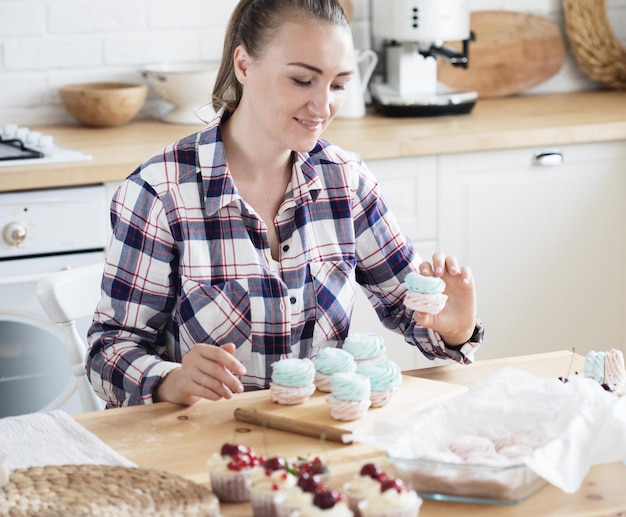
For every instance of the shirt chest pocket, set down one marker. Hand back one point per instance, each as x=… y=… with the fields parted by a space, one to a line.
x=334 y=287
x=213 y=314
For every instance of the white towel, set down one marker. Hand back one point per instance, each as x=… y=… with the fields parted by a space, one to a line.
x=53 y=438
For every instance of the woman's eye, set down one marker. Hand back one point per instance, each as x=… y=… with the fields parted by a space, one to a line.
x=301 y=83
x=338 y=86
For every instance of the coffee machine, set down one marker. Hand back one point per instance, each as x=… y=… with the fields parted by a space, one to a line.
x=411 y=35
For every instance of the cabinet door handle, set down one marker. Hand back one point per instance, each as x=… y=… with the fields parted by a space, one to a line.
x=548 y=158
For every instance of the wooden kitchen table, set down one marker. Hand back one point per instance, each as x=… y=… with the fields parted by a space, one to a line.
x=181 y=439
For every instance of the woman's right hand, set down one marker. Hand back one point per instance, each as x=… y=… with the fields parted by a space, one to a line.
x=207 y=371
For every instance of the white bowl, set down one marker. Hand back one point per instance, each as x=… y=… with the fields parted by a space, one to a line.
x=188 y=86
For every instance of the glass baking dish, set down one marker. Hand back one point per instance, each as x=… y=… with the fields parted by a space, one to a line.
x=465 y=482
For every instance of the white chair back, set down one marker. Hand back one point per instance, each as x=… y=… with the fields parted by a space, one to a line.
x=67 y=296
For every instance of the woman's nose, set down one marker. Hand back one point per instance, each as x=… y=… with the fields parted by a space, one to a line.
x=320 y=102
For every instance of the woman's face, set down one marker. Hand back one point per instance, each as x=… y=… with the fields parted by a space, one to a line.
x=296 y=87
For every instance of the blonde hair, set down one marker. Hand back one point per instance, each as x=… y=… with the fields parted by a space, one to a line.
x=252 y=24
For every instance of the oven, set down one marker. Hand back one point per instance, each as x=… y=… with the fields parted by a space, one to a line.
x=42 y=231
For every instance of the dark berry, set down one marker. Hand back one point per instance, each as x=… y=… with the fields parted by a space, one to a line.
x=275 y=463
x=393 y=484
x=372 y=470
x=229 y=449
x=308 y=482
x=326 y=499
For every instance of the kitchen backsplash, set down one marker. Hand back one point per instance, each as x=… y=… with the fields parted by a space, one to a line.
x=48 y=43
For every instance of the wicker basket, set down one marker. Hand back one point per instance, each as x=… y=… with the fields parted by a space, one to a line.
x=101 y=490
x=598 y=52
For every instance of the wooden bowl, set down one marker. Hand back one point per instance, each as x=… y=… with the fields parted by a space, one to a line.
x=103 y=104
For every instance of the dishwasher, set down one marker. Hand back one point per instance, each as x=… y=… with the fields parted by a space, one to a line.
x=42 y=231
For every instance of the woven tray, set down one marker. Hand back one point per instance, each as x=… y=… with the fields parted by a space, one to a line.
x=593 y=43
x=101 y=490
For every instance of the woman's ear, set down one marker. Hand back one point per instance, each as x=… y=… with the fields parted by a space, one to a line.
x=241 y=61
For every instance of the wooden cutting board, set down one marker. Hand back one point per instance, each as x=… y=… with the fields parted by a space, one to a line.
x=513 y=52
x=313 y=418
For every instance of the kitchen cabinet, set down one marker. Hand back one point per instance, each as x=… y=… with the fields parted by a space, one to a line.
x=546 y=245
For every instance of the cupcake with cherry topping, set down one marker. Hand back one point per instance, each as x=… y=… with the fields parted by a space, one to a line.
x=385 y=377
x=393 y=499
x=331 y=360
x=292 y=381
x=292 y=500
x=365 y=346
x=229 y=472
x=366 y=481
x=266 y=482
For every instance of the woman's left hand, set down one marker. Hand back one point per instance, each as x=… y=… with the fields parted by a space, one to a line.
x=456 y=322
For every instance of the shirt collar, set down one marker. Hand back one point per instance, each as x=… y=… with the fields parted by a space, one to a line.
x=218 y=186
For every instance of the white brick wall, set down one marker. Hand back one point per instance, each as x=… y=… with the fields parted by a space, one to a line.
x=47 y=43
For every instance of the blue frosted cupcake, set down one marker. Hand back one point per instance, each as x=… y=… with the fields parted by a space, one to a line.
x=350 y=396
x=292 y=381
x=424 y=293
x=385 y=377
x=365 y=346
x=330 y=361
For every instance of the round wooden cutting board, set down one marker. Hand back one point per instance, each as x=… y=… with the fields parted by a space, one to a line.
x=513 y=52
x=347 y=7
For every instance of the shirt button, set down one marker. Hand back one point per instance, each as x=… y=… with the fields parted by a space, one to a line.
x=292 y=300
x=286 y=247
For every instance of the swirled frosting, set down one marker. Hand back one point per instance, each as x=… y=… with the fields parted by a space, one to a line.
x=350 y=386
x=293 y=372
x=364 y=345
x=594 y=366
x=424 y=284
x=383 y=375
x=333 y=360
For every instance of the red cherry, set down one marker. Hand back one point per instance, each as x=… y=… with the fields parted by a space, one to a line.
x=393 y=484
x=308 y=482
x=372 y=470
x=326 y=499
x=272 y=464
x=229 y=449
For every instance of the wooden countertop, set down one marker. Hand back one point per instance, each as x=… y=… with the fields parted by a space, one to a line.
x=505 y=123
x=181 y=439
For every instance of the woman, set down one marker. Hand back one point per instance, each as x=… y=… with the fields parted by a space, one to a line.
x=242 y=244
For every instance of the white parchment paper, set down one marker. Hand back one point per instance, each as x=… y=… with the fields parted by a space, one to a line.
x=577 y=424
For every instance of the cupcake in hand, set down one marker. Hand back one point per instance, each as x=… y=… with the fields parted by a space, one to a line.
x=292 y=381
x=365 y=346
x=329 y=361
x=425 y=293
x=350 y=397
x=385 y=377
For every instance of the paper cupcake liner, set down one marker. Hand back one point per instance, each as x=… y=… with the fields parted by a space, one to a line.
x=230 y=486
x=262 y=502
